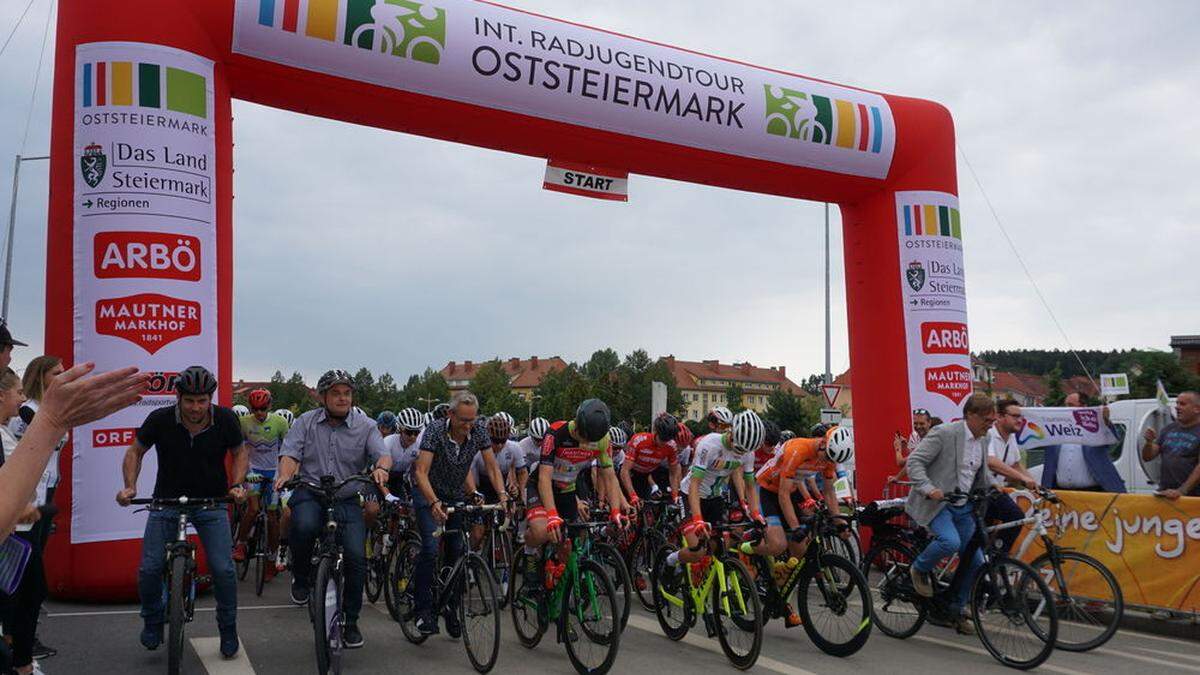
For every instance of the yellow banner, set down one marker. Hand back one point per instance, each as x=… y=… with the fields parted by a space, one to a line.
x=1150 y=544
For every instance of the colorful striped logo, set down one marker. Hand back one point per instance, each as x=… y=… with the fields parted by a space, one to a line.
x=824 y=120
x=125 y=83
x=403 y=28
x=932 y=221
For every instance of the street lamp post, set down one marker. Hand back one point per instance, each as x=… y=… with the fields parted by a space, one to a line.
x=12 y=226
x=427 y=402
x=529 y=417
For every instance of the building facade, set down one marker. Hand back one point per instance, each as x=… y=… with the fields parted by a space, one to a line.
x=524 y=375
x=705 y=384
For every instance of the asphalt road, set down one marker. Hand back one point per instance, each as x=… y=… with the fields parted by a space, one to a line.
x=276 y=639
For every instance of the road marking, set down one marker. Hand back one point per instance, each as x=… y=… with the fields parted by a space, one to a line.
x=1147 y=659
x=984 y=652
x=138 y=611
x=1150 y=636
x=651 y=626
x=1160 y=652
x=209 y=651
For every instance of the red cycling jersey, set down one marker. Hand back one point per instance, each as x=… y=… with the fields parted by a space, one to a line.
x=645 y=453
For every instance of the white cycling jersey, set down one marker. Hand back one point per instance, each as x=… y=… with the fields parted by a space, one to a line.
x=508 y=457
x=531 y=451
x=715 y=462
x=402 y=458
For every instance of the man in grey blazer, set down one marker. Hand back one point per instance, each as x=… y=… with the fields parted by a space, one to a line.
x=951 y=457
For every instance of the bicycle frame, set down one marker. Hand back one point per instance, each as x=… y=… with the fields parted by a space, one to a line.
x=715 y=574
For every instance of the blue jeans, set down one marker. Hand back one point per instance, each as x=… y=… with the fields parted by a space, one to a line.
x=952 y=529
x=213 y=527
x=427 y=560
x=308 y=519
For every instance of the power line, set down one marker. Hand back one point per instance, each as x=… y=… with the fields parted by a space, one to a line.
x=1029 y=275
x=37 y=75
x=15 y=27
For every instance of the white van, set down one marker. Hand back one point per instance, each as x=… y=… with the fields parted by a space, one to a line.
x=1133 y=417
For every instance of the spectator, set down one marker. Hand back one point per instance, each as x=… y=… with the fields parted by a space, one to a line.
x=1072 y=466
x=922 y=422
x=1179 y=448
x=1005 y=463
x=6 y=345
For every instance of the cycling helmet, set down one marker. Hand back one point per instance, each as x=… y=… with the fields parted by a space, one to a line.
x=818 y=430
x=617 y=437
x=499 y=426
x=666 y=427
x=286 y=415
x=786 y=435
x=426 y=419
x=771 y=433
x=720 y=415
x=386 y=419
x=538 y=427
x=241 y=410
x=441 y=411
x=685 y=437
x=839 y=444
x=592 y=420
x=410 y=419
x=507 y=418
x=259 y=399
x=332 y=377
x=748 y=431
x=195 y=381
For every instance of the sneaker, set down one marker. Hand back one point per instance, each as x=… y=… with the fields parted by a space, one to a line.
x=152 y=635
x=41 y=651
x=299 y=595
x=427 y=625
x=270 y=572
x=453 y=627
x=239 y=552
x=229 y=643
x=921 y=582
x=640 y=583
x=792 y=619
x=964 y=625
x=352 y=637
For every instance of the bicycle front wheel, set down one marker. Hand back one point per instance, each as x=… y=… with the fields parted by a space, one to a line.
x=738 y=615
x=608 y=556
x=525 y=601
x=260 y=561
x=1087 y=599
x=399 y=588
x=178 y=587
x=835 y=605
x=479 y=613
x=893 y=609
x=326 y=599
x=376 y=565
x=590 y=620
x=641 y=564
x=1014 y=613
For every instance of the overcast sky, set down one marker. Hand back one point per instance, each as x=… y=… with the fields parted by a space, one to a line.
x=362 y=247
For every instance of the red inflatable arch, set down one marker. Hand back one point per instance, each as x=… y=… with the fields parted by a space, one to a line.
x=141 y=164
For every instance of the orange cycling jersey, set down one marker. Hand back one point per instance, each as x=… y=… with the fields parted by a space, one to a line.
x=798 y=456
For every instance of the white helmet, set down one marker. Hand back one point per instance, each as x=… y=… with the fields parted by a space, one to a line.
x=512 y=423
x=720 y=415
x=410 y=419
x=748 y=431
x=426 y=419
x=286 y=415
x=839 y=445
x=616 y=437
x=538 y=427
x=241 y=410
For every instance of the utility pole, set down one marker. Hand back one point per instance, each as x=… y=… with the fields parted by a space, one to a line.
x=828 y=374
x=12 y=226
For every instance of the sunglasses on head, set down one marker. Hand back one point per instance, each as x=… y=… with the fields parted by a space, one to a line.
x=920 y=411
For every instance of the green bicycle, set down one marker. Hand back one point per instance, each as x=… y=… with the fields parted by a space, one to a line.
x=720 y=589
x=576 y=594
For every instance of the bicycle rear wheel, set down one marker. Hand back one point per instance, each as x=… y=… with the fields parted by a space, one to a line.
x=1087 y=599
x=399 y=588
x=178 y=584
x=641 y=564
x=738 y=615
x=885 y=569
x=326 y=601
x=590 y=620
x=375 y=565
x=835 y=605
x=260 y=560
x=525 y=603
x=672 y=597
x=479 y=613
x=1014 y=613
x=608 y=556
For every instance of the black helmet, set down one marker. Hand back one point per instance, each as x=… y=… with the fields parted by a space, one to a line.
x=196 y=381
x=441 y=411
x=333 y=377
x=666 y=427
x=592 y=420
x=818 y=430
x=771 y=437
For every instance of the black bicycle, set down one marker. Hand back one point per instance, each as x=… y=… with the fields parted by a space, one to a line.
x=468 y=589
x=179 y=583
x=257 y=548
x=326 y=596
x=657 y=526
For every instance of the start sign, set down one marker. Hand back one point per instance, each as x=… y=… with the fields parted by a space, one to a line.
x=587 y=181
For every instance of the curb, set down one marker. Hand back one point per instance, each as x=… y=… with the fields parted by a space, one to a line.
x=1183 y=626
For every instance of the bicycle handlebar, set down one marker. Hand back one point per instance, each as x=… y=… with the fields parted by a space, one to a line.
x=328 y=490
x=473 y=508
x=197 y=502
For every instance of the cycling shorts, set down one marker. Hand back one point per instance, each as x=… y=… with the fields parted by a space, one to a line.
x=769 y=501
x=712 y=509
x=264 y=491
x=643 y=483
x=564 y=502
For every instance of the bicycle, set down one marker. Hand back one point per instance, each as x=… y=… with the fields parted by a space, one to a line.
x=256 y=543
x=1084 y=621
x=326 y=598
x=380 y=543
x=468 y=585
x=576 y=594
x=832 y=595
x=658 y=522
x=607 y=553
x=496 y=549
x=404 y=531
x=721 y=580
x=179 y=584
x=1004 y=589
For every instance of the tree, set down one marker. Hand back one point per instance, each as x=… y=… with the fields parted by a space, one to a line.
x=387 y=394
x=635 y=376
x=733 y=398
x=560 y=392
x=1054 y=393
x=1149 y=367
x=812 y=383
x=604 y=362
x=491 y=385
x=425 y=391
x=364 y=390
x=790 y=411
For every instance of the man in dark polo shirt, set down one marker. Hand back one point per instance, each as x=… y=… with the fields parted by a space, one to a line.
x=191 y=438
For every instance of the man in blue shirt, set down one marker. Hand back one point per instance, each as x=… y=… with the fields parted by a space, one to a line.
x=1179 y=446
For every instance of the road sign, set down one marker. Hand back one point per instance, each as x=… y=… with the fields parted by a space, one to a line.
x=831 y=416
x=1114 y=384
x=831 y=392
